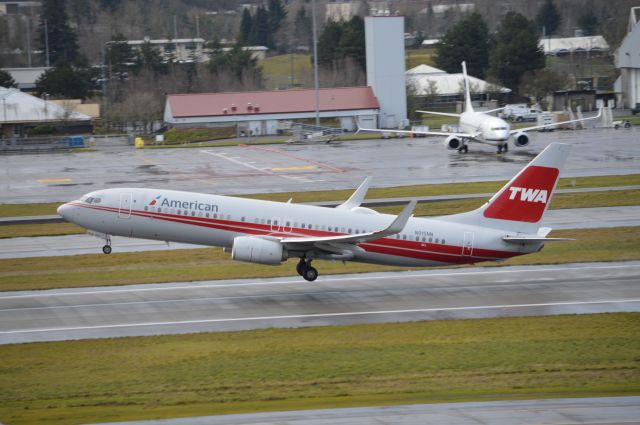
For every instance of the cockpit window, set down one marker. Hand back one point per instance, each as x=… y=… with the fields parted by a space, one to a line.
x=498 y=128
x=91 y=200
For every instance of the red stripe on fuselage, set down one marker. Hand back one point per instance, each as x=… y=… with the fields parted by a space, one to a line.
x=388 y=246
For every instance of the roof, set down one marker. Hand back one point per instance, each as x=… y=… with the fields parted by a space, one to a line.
x=166 y=41
x=270 y=102
x=424 y=69
x=19 y=107
x=449 y=84
x=26 y=78
x=626 y=55
x=553 y=46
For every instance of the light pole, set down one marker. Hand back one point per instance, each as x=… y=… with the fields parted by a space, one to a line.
x=315 y=61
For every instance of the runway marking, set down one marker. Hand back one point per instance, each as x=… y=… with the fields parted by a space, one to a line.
x=304 y=167
x=53 y=180
x=307 y=316
x=299 y=158
x=253 y=167
x=334 y=278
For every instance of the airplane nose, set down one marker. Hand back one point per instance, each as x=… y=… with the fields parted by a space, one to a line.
x=64 y=210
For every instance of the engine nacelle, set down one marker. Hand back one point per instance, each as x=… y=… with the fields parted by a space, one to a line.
x=453 y=143
x=258 y=250
x=521 y=139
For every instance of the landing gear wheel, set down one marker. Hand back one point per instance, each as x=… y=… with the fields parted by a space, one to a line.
x=106 y=249
x=463 y=149
x=302 y=266
x=499 y=149
x=505 y=148
x=310 y=274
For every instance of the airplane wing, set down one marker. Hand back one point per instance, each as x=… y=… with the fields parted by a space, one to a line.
x=444 y=114
x=535 y=127
x=426 y=133
x=350 y=241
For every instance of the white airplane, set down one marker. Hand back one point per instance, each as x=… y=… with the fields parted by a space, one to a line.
x=268 y=232
x=480 y=127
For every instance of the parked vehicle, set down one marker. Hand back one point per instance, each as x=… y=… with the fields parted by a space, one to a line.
x=528 y=114
x=621 y=123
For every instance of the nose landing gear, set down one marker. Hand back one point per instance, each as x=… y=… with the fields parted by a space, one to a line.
x=107 y=247
x=305 y=270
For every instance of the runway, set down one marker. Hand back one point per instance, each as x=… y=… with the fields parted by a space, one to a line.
x=562 y=411
x=280 y=168
x=45 y=246
x=234 y=305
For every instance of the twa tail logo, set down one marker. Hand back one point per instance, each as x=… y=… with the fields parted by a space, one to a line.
x=525 y=198
x=528 y=195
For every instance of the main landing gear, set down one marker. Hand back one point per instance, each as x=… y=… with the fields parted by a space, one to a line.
x=503 y=148
x=463 y=149
x=305 y=270
x=107 y=247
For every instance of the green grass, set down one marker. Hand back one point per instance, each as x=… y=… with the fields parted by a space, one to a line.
x=415 y=57
x=46 y=229
x=610 y=244
x=277 y=70
x=16 y=210
x=322 y=367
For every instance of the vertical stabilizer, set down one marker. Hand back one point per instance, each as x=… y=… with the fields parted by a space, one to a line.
x=520 y=205
x=467 y=94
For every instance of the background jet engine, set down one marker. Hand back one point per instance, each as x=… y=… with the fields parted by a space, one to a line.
x=521 y=139
x=453 y=143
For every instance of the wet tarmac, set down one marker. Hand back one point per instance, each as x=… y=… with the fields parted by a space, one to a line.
x=277 y=168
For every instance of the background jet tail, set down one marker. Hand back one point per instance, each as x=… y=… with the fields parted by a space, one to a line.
x=467 y=94
x=520 y=205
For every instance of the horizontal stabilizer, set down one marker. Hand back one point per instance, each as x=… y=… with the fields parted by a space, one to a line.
x=444 y=114
x=533 y=239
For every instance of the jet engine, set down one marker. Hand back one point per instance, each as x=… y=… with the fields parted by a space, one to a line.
x=453 y=143
x=521 y=139
x=258 y=250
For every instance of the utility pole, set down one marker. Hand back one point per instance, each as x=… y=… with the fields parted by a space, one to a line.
x=315 y=62
x=46 y=42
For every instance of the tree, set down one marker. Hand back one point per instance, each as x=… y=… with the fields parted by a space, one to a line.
x=468 y=41
x=65 y=81
x=261 y=33
x=588 y=21
x=539 y=83
x=246 y=27
x=148 y=57
x=276 y=14
x=302 y=24
x=6 y=80
x=342 y=40
x=516 y=51
x=119 y=55
x=61 y=39
x=548 y=18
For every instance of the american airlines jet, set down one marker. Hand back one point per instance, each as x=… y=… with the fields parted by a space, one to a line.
x=266 y=232
x=481 y=127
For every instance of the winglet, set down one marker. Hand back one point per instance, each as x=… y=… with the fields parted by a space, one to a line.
x=357 y=197
x=401 y=220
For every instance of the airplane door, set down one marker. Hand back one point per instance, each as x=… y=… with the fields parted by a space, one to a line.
x=467 y=244
x=125 y=205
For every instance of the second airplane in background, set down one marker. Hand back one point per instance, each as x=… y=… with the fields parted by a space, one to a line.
x=480 y=127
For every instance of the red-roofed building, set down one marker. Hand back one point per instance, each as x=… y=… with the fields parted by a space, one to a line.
x=260 y=112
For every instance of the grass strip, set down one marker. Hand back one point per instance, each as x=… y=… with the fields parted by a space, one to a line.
x=610 y=244
x=16 y=210
x=322 y=367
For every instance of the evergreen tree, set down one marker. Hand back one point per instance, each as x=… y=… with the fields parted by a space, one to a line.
x=277 y=13
x=62 y=40
x=65 y=81
x=548 y=18
x=588 y=21
x=516 y=51
x=119 y=56
x=328 y=43
x=468 y=41
x=246 y=27
x=302 y=24
x=150 y=58
x=6 y=80
x=352 y=43
x=263 y=35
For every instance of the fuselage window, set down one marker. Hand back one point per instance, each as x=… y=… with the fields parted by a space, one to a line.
x=146 y=208
x=404 y=237
x=423 y=239
x=215 y=216
x=193 y=213
x=349 y=231
x=179 y=212
x=241 y=218
x=430 y=239
x=269 y=221
x=436 y=240
x=443 y=242
x=417 y=238
x=207 y=215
